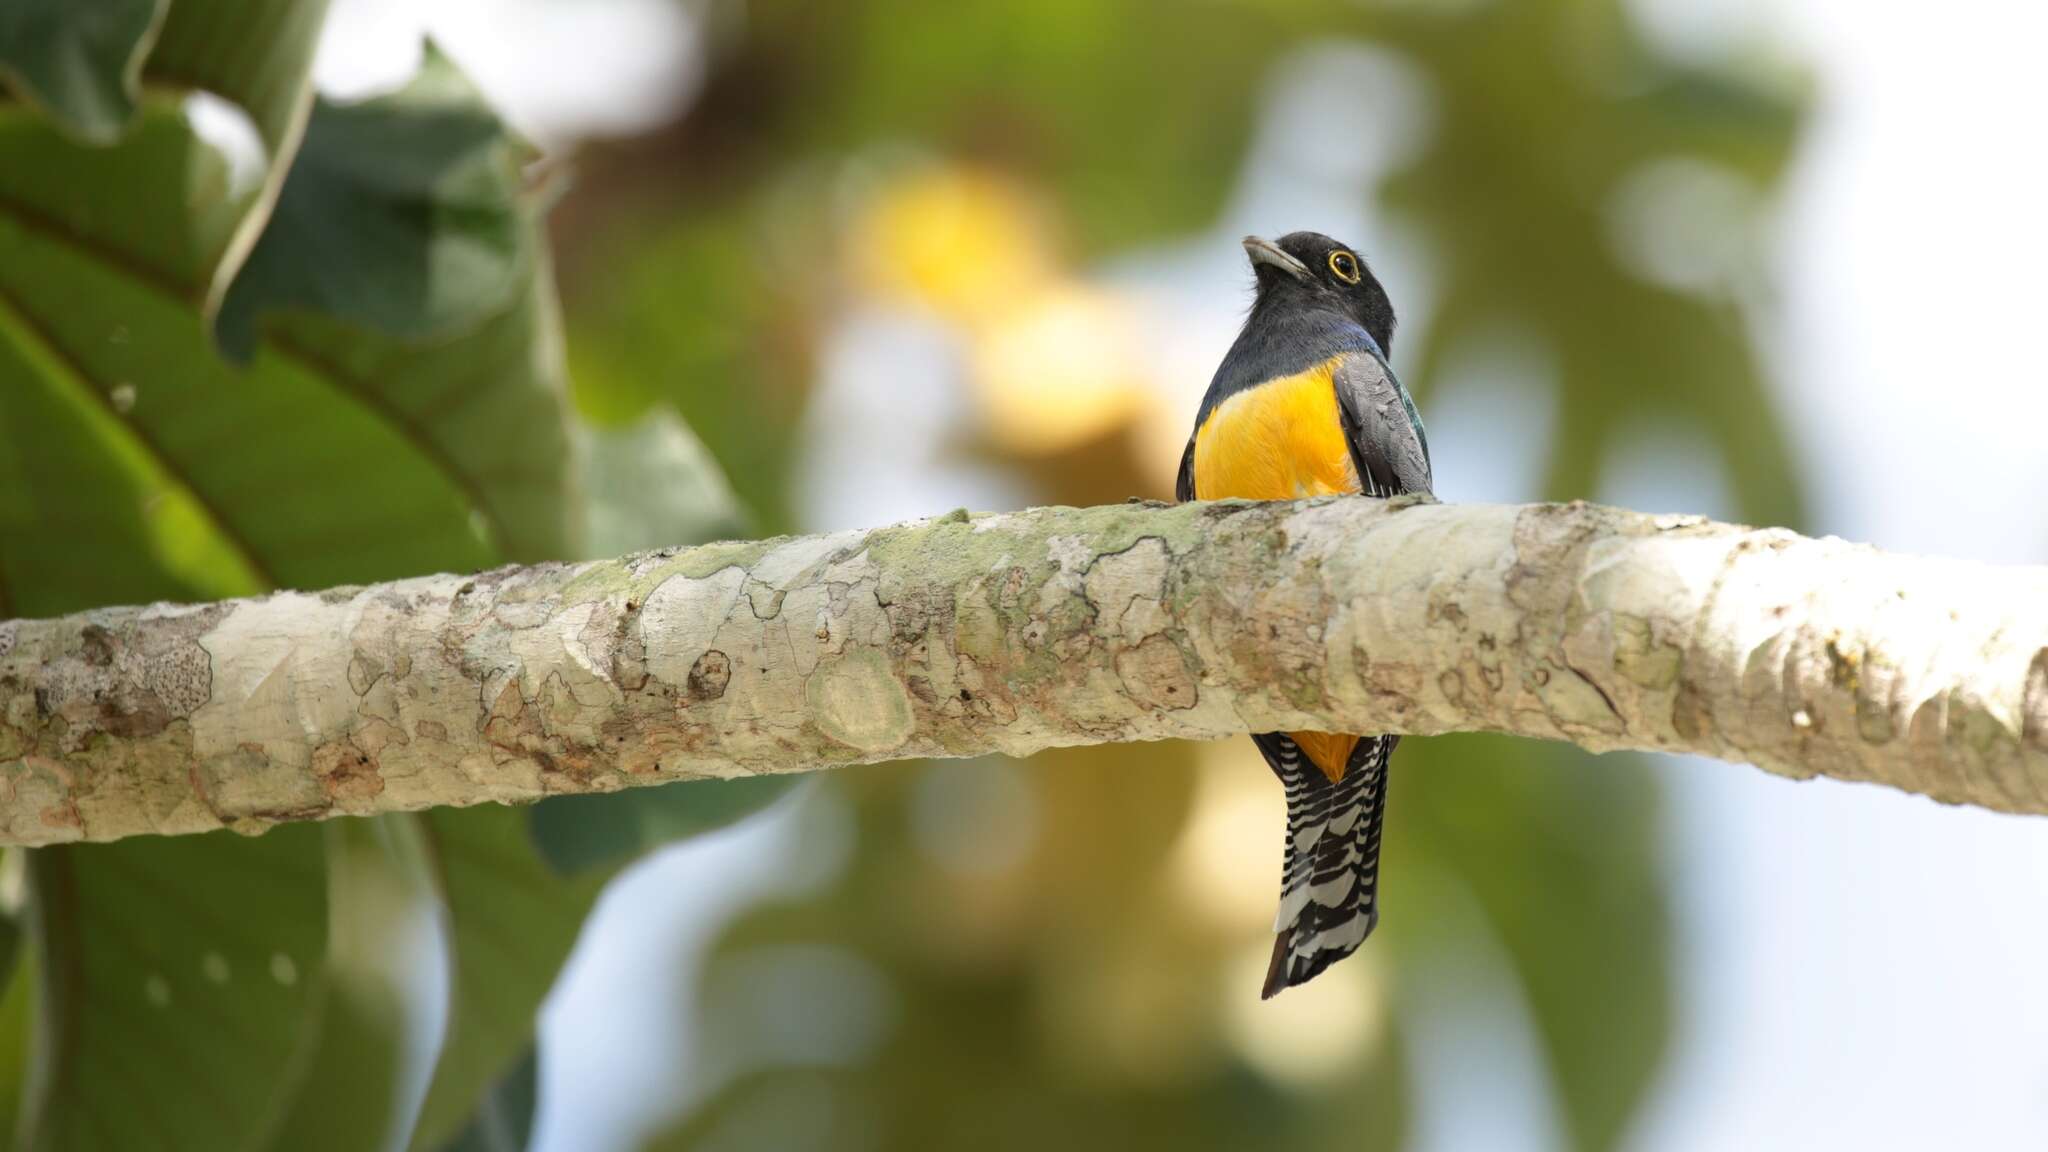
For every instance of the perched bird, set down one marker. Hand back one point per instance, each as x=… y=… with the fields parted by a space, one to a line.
x=1305 y=405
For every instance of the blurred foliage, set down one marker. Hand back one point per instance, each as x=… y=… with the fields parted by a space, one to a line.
x=965 y=159
x=1065 y=953
x=182 y=982
x=503 y=1120
x=1545 y=110
x=83 y=71
x=698 y=317
x=1559 y=852
x=1065 y=998
x=510 y=922
x=397 y=405
x=374 y=882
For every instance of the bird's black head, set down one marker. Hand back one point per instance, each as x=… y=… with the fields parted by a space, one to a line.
x=1310 y=271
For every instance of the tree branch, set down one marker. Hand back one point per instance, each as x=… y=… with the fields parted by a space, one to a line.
x=1010 y=633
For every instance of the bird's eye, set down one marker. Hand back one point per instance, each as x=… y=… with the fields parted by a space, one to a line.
x=1344 y=266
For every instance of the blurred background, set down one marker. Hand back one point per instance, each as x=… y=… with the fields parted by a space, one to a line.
x=877 y=259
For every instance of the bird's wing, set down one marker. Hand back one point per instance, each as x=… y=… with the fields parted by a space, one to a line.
x=1184 y=483
x=1388 y=446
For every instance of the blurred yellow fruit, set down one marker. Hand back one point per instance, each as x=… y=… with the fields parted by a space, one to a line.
x=1226 y=866
x=1058 y=368
x=961 y=242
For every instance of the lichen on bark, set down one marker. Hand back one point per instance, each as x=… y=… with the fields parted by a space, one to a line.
x=963 y=635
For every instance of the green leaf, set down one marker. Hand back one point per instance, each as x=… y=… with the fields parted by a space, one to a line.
x=143 y=454
x=356 y=1081
x=1559 y=850
x=402 y=411
x=370 y=458
x=98 y=313
x=10 y=927
x=255 y=54
x=79 y=59
x=694 y=318
x=180 y=980
x=503 y=1121
x=337 y=455
x=511 y=924
x=403 y=214
x=114 y=412
x=17 y=1019
x=579 y=833
x=653 y=485
x=258 y=56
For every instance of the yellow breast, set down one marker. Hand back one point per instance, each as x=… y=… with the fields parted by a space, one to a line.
x=1279 y=441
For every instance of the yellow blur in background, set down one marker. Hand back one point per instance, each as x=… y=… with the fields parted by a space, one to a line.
x=972 y=253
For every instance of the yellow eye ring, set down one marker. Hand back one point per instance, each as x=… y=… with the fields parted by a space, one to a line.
x=1344 y=266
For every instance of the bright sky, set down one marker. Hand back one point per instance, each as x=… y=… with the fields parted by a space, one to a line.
x=1859 y=969
x=1865 y=966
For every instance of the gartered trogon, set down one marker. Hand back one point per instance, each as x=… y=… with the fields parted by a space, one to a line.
x=1305 y=404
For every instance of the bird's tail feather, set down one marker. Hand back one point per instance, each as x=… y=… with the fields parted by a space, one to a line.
x=1329 y=881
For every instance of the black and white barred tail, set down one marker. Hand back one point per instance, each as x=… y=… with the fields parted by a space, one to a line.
x=1329 y=879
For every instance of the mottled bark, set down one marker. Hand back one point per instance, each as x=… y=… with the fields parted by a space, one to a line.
x=1009 y=633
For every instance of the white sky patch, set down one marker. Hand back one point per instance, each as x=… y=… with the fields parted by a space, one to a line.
x=618 y=1060
x=1685 y=224
x=882 y=426
x=1492 y=417
x=1859 y=969
x=1913 y=246
x=1477 y=1077
x=228 y=128
x=555 y=70
x=1668 y=468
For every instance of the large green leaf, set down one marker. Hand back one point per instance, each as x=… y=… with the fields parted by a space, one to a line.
x=101 y=295
x=97 y=314
x=356 y=1081
x=401 y=214
x=653 y=484
x=73 y=472
x=17 y=1017
x=338 y=454
x=258 y=56
x=79 y=59
x=181 y=980
x=84 y=60
x=255 y=54
x=222 y=479
x=511 y=924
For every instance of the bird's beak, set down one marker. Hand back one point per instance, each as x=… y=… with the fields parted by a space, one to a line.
x=1264 y=251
